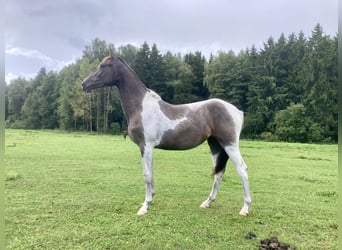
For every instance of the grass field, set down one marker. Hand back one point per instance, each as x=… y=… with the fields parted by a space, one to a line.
x=82 y=191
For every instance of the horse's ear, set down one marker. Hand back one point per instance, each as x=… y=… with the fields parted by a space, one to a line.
x=111 y=52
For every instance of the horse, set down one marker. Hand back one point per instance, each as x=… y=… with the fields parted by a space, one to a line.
x=154 y=123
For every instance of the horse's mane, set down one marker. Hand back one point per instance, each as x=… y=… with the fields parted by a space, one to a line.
x=132 y=71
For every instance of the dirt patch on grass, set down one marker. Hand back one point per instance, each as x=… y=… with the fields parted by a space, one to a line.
x=273 y=244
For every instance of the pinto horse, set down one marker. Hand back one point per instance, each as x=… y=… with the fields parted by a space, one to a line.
x=154 y=123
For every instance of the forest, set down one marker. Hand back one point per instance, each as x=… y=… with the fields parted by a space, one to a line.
x=287 y=89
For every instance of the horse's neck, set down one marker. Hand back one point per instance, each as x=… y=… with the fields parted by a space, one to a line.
x=132 y=92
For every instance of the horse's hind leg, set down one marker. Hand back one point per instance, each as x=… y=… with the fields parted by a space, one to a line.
x=220 y=159
x=241 y=168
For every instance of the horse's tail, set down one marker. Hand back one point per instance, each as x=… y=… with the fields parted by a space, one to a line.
x=220 y=162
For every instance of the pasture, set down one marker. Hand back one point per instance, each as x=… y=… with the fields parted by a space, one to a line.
x=82 y=191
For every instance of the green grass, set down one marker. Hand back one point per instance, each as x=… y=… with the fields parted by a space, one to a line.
x=82 y=191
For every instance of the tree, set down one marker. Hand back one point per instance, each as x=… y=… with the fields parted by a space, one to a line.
x=157 y=75
x=81 y=104
x=320 y=97
x=99 y=101
x=141 y=65
x=128 y=53
x=172 y=74
x=197 y=62
x=281 y=72
x=183 y=88
x=30 y=112
x=67 y=77
x=171 y=67
x=297 y=64
x=16 y=94
x=6 y=104
x=292 y=124
x=48 y=99
x=242 y=79
x=220 y=73
x=288 y=78
x=260 y=101
x=31 y=117
x=149 y=66
x=98 y=50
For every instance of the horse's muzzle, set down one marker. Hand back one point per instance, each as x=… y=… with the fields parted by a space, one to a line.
x=85 y=87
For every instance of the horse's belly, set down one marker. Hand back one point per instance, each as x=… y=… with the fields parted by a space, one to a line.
x=182 y=140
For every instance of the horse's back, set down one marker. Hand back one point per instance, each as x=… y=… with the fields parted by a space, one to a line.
x=211 y=109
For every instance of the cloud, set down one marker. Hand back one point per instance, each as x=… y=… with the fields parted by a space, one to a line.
x=34 y=54
x=49 y=62
x=11 y=76
x=54 y=33
x=46 y=61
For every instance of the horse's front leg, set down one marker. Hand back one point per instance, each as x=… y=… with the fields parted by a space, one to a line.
x=147 y=164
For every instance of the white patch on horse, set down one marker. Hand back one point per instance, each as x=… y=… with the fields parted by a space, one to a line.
x=237 y=116
x=155 y=122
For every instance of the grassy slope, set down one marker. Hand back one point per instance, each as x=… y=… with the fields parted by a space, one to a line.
x=80 y=191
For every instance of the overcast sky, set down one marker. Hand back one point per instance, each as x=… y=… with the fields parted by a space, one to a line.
x=54 y=33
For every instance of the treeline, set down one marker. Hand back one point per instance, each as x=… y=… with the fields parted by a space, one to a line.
x=287 y=89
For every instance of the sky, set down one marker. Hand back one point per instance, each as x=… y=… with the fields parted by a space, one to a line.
x=53 y=34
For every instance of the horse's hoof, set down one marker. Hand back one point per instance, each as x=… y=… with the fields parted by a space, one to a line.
x=243 y=213
x=204 y=205
x=142 y=211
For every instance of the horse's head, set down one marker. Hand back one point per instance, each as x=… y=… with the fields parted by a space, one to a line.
x=104 y=75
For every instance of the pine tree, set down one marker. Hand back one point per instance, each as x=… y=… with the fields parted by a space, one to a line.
x=48 y=97
x=141 y=65
x=281 y=72
x=220 y=74
x=320 y=90
x=157 y=74
x=296 y=67
x=197 y=62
